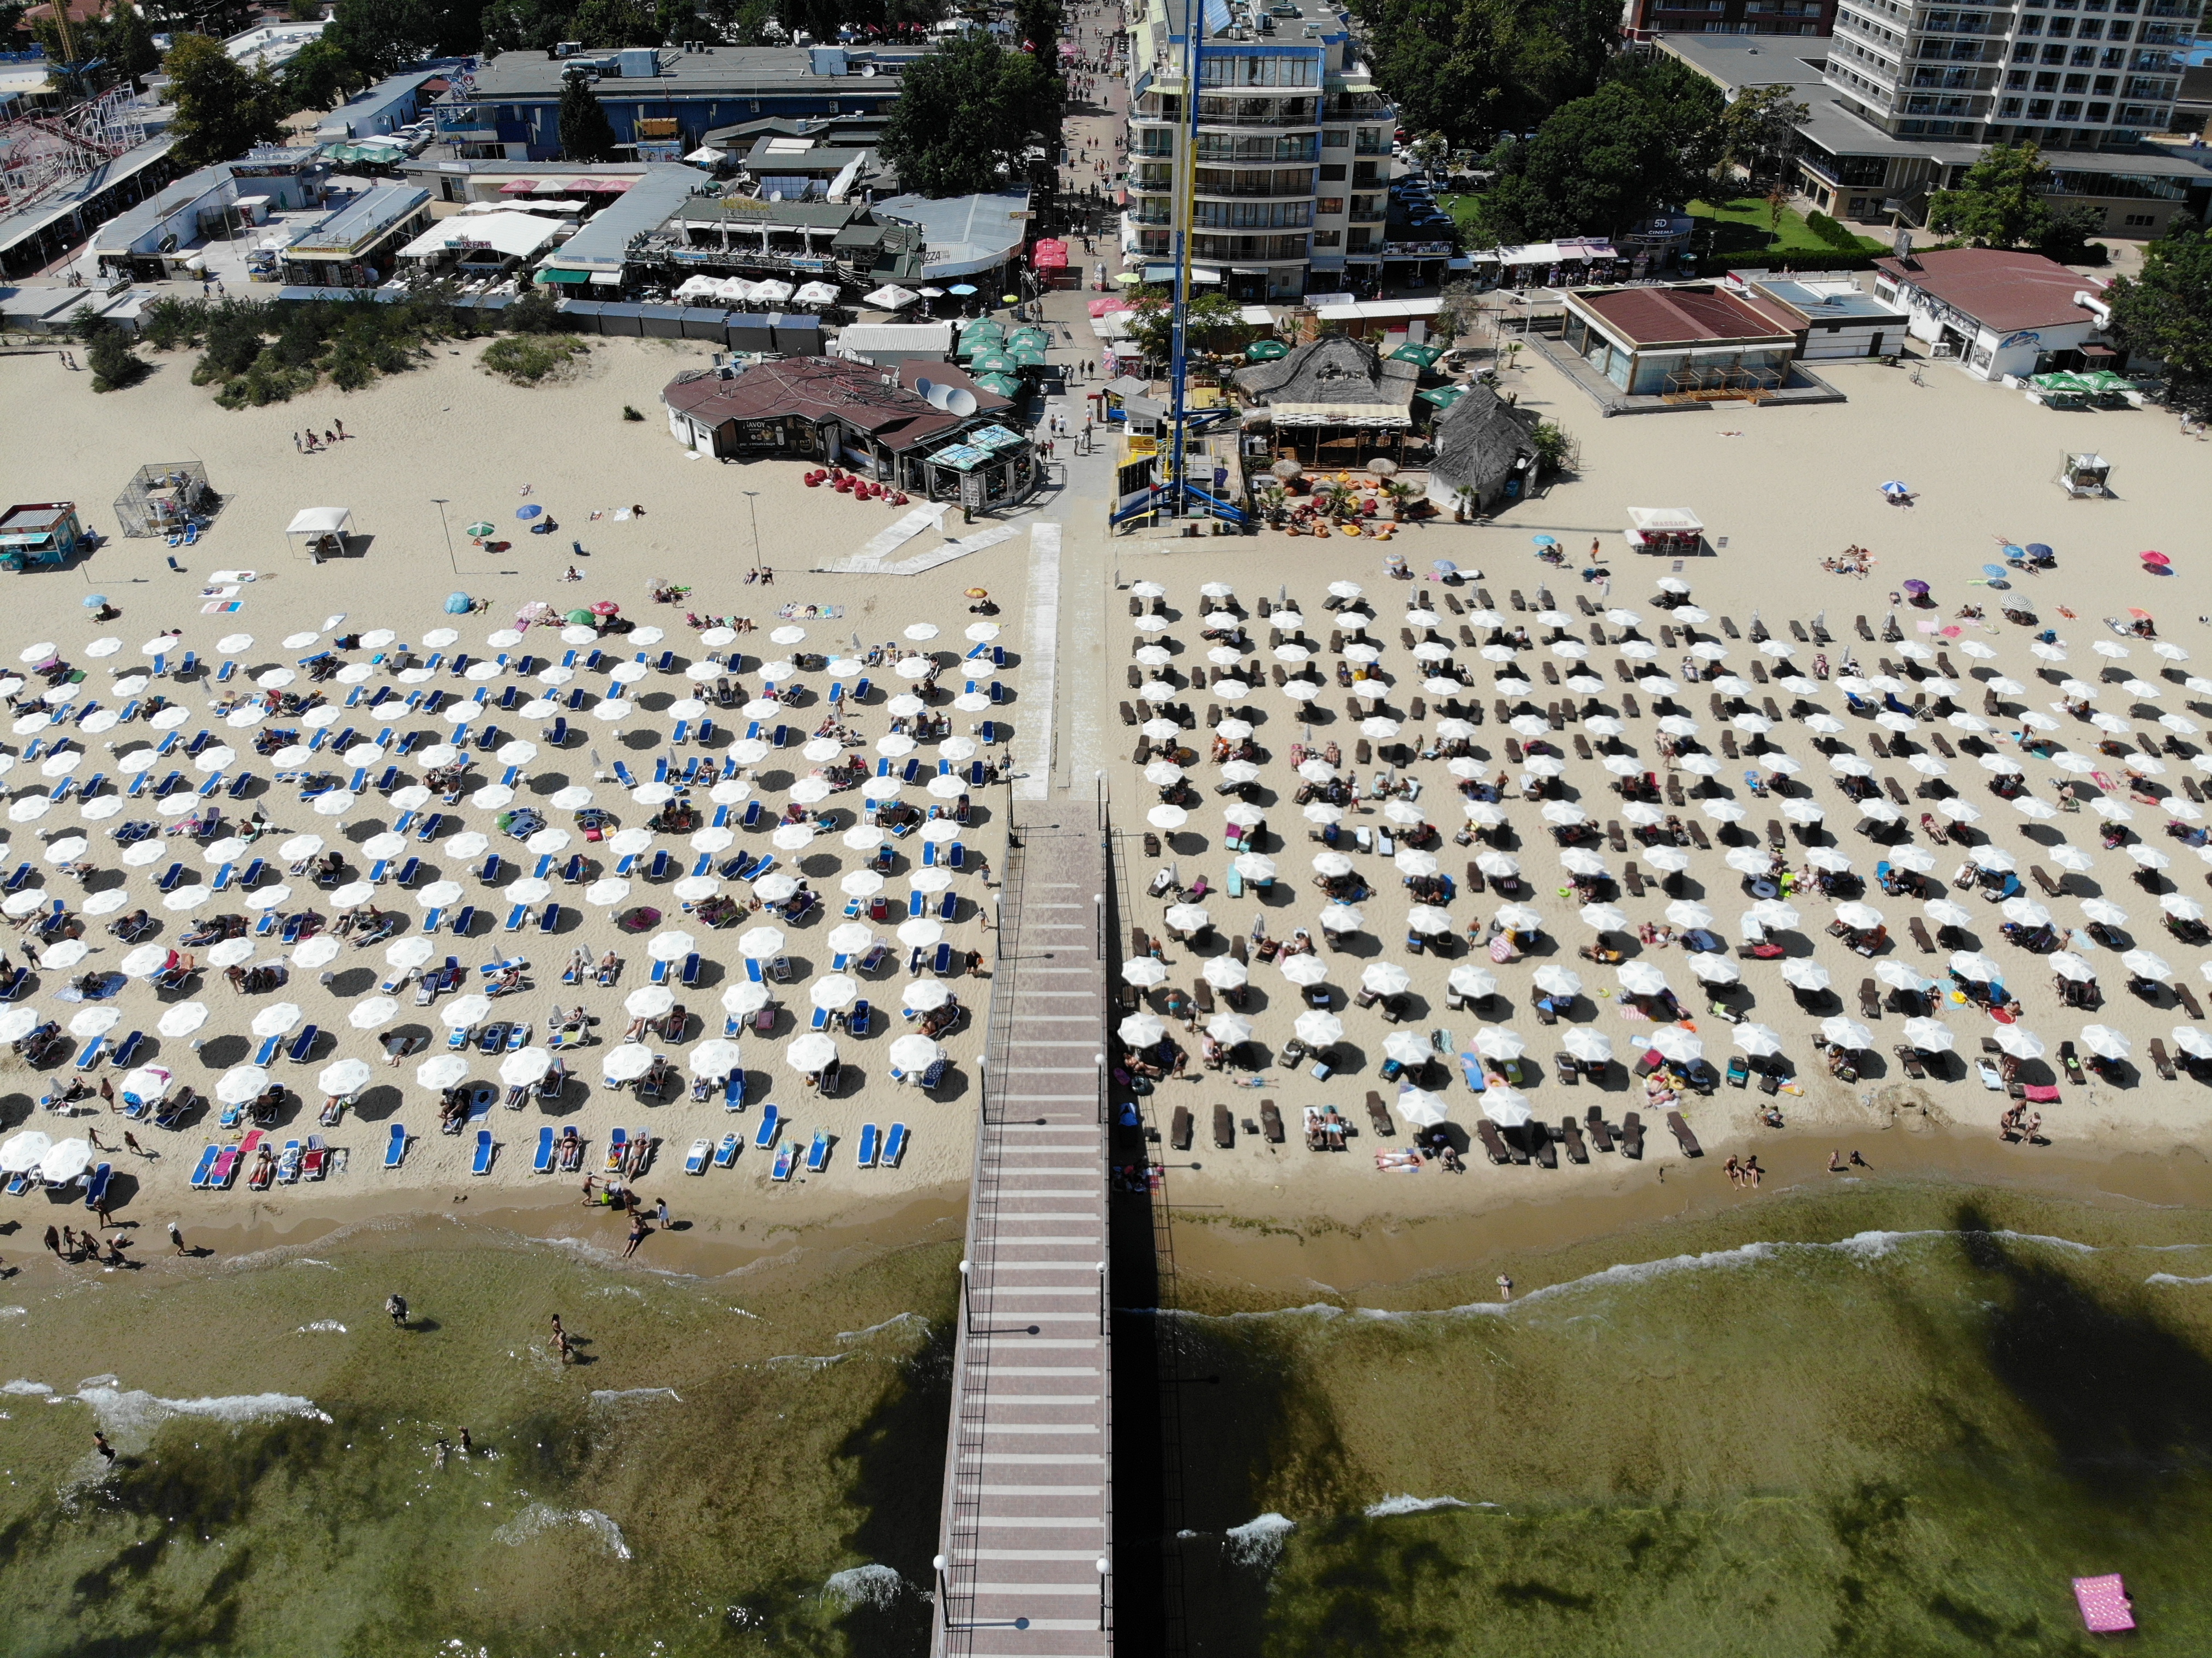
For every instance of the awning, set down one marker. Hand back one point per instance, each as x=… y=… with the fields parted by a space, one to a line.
x=960 y=456
x=994 y=437
x=891 y=297
x=1664 y=520
x=559 y=187
x=518 y=186
x=319 y=520
x=1049 y=255
x=551 y=274
x=606 y=278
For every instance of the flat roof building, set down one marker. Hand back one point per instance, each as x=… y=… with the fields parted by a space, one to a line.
x=358 y=244
x=663 y=101
x=1860 y=163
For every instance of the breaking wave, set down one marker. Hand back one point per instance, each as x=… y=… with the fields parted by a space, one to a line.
x=540 y=1517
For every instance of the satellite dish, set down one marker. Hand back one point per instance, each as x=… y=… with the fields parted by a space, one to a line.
x=939 y=396
x=924 y=386
x=958 y=400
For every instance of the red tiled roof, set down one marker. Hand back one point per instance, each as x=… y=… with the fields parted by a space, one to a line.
x=1668 y=316
x=816 y=388
x=1995 y=286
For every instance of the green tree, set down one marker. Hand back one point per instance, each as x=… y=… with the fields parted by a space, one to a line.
x=1475 y=70
x=1214 y=318
x=1036 y=26
x=320 y=77
x=221 y=111
x=586 y=135
x=381 y=37
x=602 y=23
x=2001 y=201
x=1432 y=153
x=1760 y=126
x=1643 y=139
x=2166 y=313
x=525 y=25
x=966 y=116
x=107 y=353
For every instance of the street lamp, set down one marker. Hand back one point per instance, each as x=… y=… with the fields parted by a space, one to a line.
x=444 y=525
x=752 y=507
x=1102 y=1301
x=944 y=1594
x=1104 y=1566
x=967 y=1308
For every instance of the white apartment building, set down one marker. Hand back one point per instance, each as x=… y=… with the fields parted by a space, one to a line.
x=2067 y=74
x=1294 y=149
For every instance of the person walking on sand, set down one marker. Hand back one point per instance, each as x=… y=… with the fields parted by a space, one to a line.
x=640 y=1230
x=342 y=431
x=54 y=1242
x=560 y=1347
x=100 y=1443
x=177 y=1238
x=661 y=1213
x=1504 y=1287
x=296 y=449
x=395 y=1305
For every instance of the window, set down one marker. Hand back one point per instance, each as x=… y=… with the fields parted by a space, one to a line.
x=1333 y=175
x=1327 y=238
x=1329 y=204
x=2069 y=110
x=1221 y=70
x=2077 y=83
x=2099 y=114
x=2046 y=83
x=2138 y=221
x=1336 y=138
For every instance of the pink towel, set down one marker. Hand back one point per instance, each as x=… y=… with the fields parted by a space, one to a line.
x=2105 y=1609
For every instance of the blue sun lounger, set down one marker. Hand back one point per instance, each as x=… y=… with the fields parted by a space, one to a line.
x=695 y=1160
x=395 y=1149
x=895 y=1146
x=870 y=1143
x=727 y=1152
x=771 y=1124
x=205 y=1167
x=542 y=1162
x=817 y=1153
x=485 y=1147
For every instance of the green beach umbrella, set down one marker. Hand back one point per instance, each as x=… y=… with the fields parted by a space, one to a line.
x=1425 y=355
x=479 y=528
x=1443 y=395
x=1029 y=357
x=1267 y=350
x=582 y=617
x=999 y=384
x=1035 y=337
x=994 y=363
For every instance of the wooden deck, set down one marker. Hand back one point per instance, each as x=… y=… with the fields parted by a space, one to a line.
x=1027 y=1493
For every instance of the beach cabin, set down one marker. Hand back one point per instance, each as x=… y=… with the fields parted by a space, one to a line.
x=39 y=532
x=1666 y=530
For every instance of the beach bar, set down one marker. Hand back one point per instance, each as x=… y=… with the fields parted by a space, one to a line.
x=39 y=532
x=1666 y=530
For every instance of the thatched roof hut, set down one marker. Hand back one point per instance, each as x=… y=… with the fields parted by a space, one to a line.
x=1483 y=445
x=1335 y=372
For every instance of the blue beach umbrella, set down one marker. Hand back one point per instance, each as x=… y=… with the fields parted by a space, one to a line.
x=1545 y=541
x=1993 y=569
x=529 y=512
x=457 y=604
x=96 y=601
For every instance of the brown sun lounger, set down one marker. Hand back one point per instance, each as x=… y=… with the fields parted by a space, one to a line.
x=1869 y=1000
x=1547 y=1150
x=1683 y=1137
x=1179 y=1129
x=1631 y=1135
x=1378 y=1115
x=1271 y=1123
x=1225 y=1129
x=1493 y=1146
x=1909 y=1057
x=1571 y=1131
x=1601 y=1136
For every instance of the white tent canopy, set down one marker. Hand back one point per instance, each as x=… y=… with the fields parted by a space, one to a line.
x=313 y=529
x=513 y=235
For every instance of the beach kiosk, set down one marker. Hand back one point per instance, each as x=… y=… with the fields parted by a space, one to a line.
x=39 y=532
x=319 y=532
x=1666 y=530
x=2084 y=475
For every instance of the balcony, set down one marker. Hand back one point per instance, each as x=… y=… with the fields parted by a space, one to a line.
x=1238 y=186
x=1419 y=250
x=1257 y=113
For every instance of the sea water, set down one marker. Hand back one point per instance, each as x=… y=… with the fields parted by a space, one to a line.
x=1880 y=1419
x=740 y=1464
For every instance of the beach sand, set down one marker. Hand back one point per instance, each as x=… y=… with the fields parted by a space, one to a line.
x=1778 y=489
x=448 y=430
